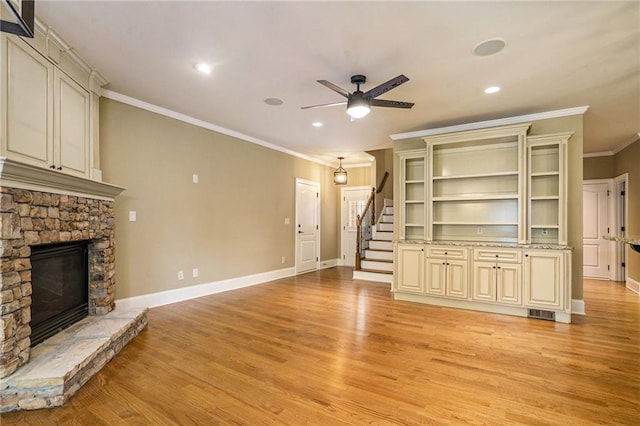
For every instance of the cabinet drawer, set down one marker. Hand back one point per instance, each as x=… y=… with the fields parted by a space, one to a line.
x=490 y=254
x=448 y=252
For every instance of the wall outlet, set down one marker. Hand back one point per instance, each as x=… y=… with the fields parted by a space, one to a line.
x=132 y=216
x=480 y=230
x=286 y=220
x=180 y=275
x=282 y=259
x=195 y=178
x=195 y=272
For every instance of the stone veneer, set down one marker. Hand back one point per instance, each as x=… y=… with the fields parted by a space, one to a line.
x=29 y=218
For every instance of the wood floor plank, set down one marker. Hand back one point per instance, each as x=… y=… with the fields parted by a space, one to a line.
x=321 y=348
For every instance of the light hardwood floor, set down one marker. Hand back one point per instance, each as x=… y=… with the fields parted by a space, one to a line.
x=322 y=349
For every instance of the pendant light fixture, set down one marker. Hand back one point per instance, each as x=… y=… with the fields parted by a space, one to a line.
x=340 y=175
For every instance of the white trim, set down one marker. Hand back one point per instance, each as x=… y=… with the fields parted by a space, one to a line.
x=598 y=154
x=623 y=146
x=181 y=294
x=578 y=307
x=491 y=123
x=204 y=124
x=633 y=285
x=326 y=264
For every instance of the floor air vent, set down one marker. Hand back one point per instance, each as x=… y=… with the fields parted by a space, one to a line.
x=540 y=314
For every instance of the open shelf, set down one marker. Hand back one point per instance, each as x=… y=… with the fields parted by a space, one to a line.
x=477 y=175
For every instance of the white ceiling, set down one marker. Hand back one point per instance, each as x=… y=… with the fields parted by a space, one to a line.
x=558 y=55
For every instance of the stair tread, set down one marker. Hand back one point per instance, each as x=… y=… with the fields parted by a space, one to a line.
x=375 y=271
x=376 y=260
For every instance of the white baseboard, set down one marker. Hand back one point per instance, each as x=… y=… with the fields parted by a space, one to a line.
x=633 y=285
x=181 y=294
x=324 y=264
x=577 y=307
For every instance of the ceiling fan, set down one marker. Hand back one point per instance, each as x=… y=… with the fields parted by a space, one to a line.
x=359 y=103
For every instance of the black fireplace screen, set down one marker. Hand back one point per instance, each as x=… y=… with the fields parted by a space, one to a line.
x=59 y=280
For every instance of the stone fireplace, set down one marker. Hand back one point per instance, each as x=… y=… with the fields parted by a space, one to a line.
x=40 y=207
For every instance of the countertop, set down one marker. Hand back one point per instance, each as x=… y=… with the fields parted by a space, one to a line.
x=487 y=244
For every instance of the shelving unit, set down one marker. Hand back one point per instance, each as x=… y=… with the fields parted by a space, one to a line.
x=547 y=188
x=413 y=172
x=475 y=185
x=486 y=210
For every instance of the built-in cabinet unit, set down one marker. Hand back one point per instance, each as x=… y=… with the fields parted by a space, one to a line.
x=46 y=114
x=413 y=193
x=547 y=188
x=483 y=222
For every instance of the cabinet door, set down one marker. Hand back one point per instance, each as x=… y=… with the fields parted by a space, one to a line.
x=26 y=105
x=71 y=141
x=457 y=283
x=542 y=278
x=508 y=283
x=410 y=269
x=484 y=281
x=435 y=276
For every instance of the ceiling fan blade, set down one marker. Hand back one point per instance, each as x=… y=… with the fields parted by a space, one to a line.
x=385 y=87
x=391 y=104
x=334 y=87
x=324 y=105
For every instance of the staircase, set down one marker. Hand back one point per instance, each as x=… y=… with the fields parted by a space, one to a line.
x=377 y=264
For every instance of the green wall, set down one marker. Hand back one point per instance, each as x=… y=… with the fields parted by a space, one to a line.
x=230 y=224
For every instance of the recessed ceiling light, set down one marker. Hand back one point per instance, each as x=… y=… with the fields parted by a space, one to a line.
x=491 y=90
x=317 y=124
x=273 y=101
x=203 y=68
x=489 y=47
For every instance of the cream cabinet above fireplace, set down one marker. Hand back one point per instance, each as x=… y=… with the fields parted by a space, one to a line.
x=47 y=113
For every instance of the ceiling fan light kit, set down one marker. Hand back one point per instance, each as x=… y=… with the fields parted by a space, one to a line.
x=359 y=103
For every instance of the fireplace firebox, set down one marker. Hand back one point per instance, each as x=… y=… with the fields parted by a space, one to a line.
x=59 y=278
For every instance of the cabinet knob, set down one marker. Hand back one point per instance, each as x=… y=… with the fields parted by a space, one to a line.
x=59 y=168
x=52 y=166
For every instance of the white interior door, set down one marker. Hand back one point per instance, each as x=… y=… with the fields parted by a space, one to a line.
x=307 y=225
x=595 y=225
x=353 y=201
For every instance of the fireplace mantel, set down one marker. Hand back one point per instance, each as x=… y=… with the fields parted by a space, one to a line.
x=24 y=176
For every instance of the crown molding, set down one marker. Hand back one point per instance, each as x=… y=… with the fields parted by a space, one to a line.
x=491 y=123
x=623 y=146
x=204 y=124
x=47 y=32
x=598 y=154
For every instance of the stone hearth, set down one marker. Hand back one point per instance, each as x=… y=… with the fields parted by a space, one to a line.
x=39 y=206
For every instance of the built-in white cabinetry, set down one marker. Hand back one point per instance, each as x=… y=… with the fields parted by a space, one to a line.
x=412 y=195
x=486 y=210
x=544 y=276
x=410 y=278
x=475 y=185
x=547 y=188
x=45 y=113
x=497 y=276
x=447 y=271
